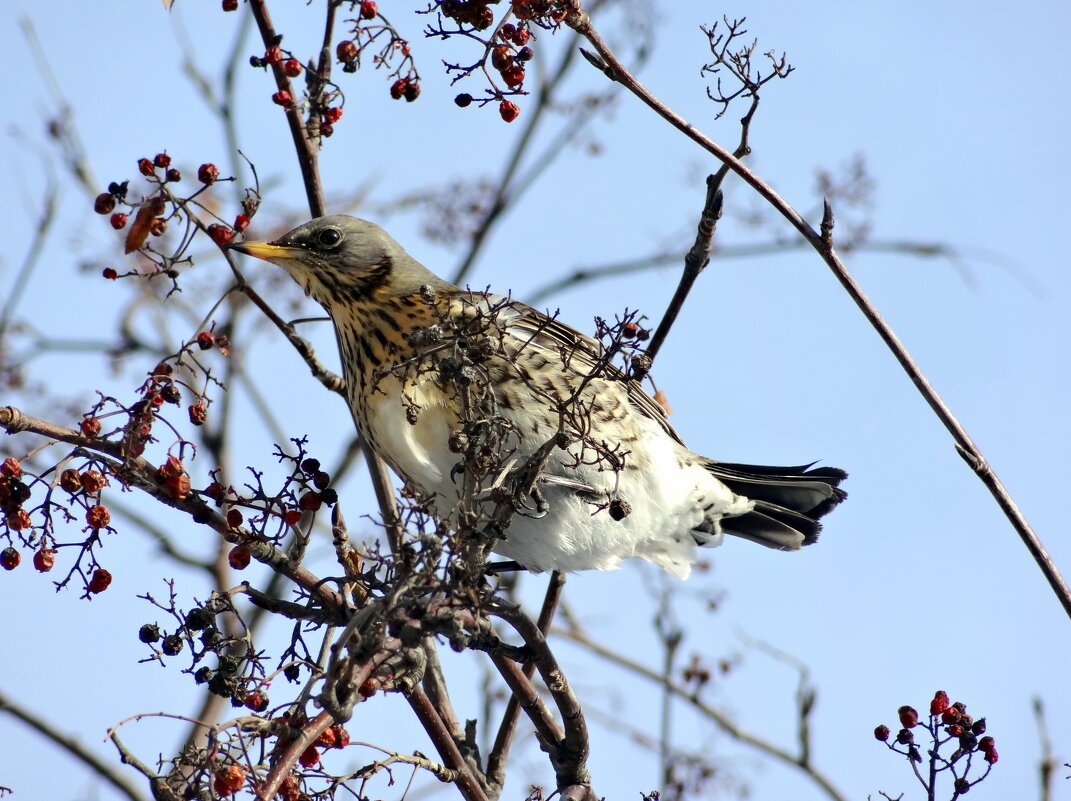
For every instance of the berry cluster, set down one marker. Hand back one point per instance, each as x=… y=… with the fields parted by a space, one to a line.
x=947 y=723
x=387 y=46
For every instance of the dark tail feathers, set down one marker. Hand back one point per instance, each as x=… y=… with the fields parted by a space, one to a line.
x=788 y=501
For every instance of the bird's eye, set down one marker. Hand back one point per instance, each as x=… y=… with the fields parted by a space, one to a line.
x=328 y=237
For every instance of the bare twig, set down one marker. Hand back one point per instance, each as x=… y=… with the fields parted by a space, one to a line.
x=71 y=745
x=966 y=447
x=461 y=775
x=1048 y=763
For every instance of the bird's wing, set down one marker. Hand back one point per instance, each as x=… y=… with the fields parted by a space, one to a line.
x=582 y=354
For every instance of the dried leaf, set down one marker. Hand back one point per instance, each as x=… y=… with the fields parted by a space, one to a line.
x=661 y=400
x=139 y=231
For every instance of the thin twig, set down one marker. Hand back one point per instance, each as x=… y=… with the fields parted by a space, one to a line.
x=466 y=783
x=613 y=68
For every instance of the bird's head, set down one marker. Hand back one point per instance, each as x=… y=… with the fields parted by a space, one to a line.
x=338 y=258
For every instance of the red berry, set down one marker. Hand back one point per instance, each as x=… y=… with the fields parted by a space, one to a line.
x=342 y=737
x=309 y=757
x=412 y=90
x=326 y=739
x=70 y=480
x=282 y=98
x=514 y=76
x=939 y=703
x=207 y=173
x=98 y=516
x=215 y=491
x=333 y=114
x=101 y=580
x=45 y=559
x=630 y=330
x=955 y=730
x=90 y=427
x=228 y=780
x=501 y=57
x=508 y=110
x=158 y=226
x=239 y=557
x=521 y=37
x=881 y=733
x=507 y=31
x=241 y=222
x=92 y=481
x=10 y=558
x=205 y=340
x=292 y=68
x=908 y=716
x=162 y=160
x=991 y=756
x=346 y=51
x=178 y=487
x=221 y=234
x=234 y=518
x=230 y=5
x=118 y=220
x=951 y=715
x=19 y=520
x=174 y=176
x=11 y=468
x=273 y=56
x=397 y=89
x=257 y=701
x=104 y=203
x=463 y=100
x=145 y=167
x=292 y=518
x=368 y=10
x=198 y=413
x=986 y=744
x=310 y=501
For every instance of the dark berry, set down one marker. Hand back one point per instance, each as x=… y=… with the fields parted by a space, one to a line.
x=162 y=160
x=44 y=560
x=118 y=220
x=149 y=633
x=239 y=557
x=207 y=173
x=104 y=203
x=368 y=10
x=203 y=675
x=462 y=100
x=10 y=558
x=881 y=733
x=145 y=167
x=199 y=618
x=908 y=716
x=172 y=645
x=101 y=580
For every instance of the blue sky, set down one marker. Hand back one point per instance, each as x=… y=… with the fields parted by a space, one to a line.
x=917 y=584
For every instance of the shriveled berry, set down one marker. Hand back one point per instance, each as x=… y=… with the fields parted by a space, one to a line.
x=961 y=785
x=951 y=715
x=257 y=701
x=230 y=5
x=508 y=110
x=501 y=57
x=70 y=480
x=881 y=733
x=211 y=637
x=172 y=644
x=145 y=167
x=173 y=175
x=333 y=115
x=521 y=37
x=525 y=54
x=19 y=520
x=309 y=757
x=235 y=518
x=239 y=557
x=955 y=730
x=507 y=31
x=991 y=756
x=310 y=501
x=905 y=736
x=513 y=76
x=310 y=466
x=292 y=672
x=908 y=716
x=273 y=55
x=241 y=222
x=158 y=226
x=282 y=98
x=199 y=618
x=11 y=468
x=326 y=739
x=329 y=496
x=44 y=560
x=228 y=780
x=178 y=487
x=205 y=340
x=10 y=558
x=162 y=160
x=98 y=516
x=986 y=743
x=397 y=89
x=104 y=203
x=368 y=10
x=346 y=51
x=463 y=100
x=207 y=173
x=149 y=633
x=118 y=220
x=203 y=674
x=321 y=479
x=101 y=580
x=198 y=413
x=92 y=481
x=90 y=427
x=630 y=330
x=342 y=737
x=215 y=491
x=978 y=727
x=412 y=90
x=221 y=234
x=619 y=509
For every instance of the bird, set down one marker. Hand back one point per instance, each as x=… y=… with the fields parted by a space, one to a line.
x=470 y=396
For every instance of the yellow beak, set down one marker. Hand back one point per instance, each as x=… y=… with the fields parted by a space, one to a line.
x=266 y=250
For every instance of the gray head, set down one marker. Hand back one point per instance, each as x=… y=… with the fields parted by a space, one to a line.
x=337 y=258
